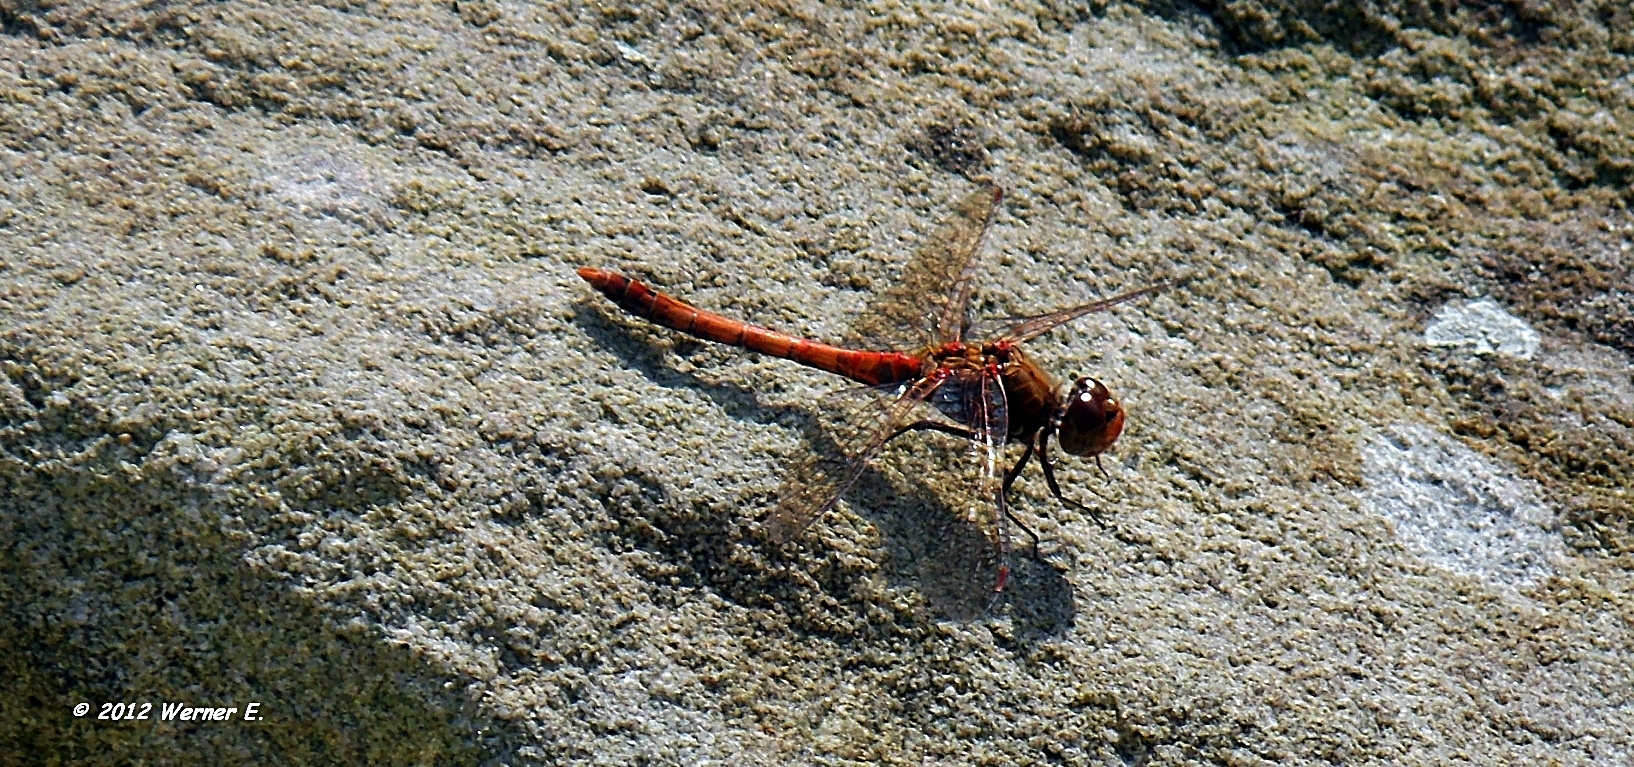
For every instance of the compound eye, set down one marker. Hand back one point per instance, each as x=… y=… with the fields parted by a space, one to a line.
x=1091 y=420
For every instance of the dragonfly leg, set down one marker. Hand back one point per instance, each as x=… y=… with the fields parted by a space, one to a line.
x=1055 y=488
x=1004 y=490
x=1015 y=471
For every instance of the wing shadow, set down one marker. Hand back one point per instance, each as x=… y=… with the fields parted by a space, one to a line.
x=950 y=561
x=652 y=362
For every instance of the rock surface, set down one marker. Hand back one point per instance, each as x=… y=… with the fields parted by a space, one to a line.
x=302 y=404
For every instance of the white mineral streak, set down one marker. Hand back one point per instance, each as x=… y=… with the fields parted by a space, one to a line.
x=1483 y=327
x=1458 y=509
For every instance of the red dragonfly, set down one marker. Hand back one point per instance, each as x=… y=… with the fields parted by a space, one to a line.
x=988 y=392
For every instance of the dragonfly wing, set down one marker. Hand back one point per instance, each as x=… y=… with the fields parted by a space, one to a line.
x=858 y=435
x=976 y=399
x=988 y=413
x=1032 y=327
x=930 y=300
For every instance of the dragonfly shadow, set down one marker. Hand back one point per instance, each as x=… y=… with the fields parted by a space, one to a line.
x=947 y=559
x=1040 y=597
x=933 y=548
x=642 y=355
x=954 y=566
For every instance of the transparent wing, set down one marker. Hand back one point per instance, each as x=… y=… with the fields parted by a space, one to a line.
x=987 y=413
x=976 y=399
x=930 y=300
x=1027 y=328
x=858 y=434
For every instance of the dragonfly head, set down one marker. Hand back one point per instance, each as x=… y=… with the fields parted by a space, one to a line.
x=1090 y=421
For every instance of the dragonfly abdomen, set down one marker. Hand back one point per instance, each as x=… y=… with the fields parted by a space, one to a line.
x=865 y=367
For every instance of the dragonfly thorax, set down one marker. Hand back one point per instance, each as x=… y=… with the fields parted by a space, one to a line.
x=1030 y=395
x=962 y=356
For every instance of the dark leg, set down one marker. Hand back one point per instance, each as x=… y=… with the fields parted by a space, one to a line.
x=1055 y=489
x=1004 y=490
x=1015 y=471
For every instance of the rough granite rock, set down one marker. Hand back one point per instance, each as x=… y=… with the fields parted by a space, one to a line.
x=302 y=404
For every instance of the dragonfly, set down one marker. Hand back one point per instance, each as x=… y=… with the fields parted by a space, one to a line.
x=930 y=377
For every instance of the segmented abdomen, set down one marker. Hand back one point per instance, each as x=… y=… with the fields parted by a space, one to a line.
x=635 y=297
